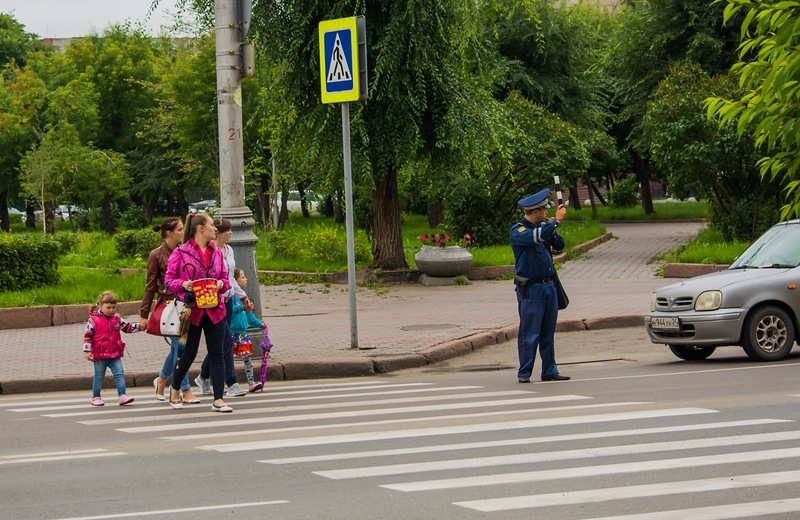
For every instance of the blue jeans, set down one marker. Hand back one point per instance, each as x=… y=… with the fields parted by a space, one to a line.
x=171 y=361
x=100 y=366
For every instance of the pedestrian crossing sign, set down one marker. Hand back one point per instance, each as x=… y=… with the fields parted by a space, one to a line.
x=339 y=60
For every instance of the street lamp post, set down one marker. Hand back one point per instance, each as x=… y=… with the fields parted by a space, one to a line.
x=230 y=30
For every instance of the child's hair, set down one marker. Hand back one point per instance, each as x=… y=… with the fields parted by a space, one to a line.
x=169 y=224
x=237 y=273
x=107 y=297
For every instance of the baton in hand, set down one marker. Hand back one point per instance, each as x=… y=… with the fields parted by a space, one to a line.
x=559 y=197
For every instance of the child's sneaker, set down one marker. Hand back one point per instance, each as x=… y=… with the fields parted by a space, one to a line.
x=124 y=399
x=235 y=391
x=255 y=387
x=204 y=384
x=96 y=401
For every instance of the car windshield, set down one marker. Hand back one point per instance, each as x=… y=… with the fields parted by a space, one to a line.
x=778 y=247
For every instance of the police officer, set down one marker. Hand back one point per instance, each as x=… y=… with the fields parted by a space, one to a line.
x=534 y=240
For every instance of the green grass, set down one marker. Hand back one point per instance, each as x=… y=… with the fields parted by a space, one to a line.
x=707 y=248
x=78 y=285
x=664 y=211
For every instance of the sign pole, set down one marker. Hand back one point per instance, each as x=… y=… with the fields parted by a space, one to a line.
x=343 y=78
x=348 y=205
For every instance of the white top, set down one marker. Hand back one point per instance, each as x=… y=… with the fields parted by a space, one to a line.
x=227 y=254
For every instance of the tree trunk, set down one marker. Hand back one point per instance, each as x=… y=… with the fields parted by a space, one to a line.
x=643 y=176
x=435 y=210
x=108 y=217
x=303 y=202
x=30 y=216
x=6 y=225
x=283 y=213
x=574 y=197
x=48 y=218
x=387 y=240
x=338 y=207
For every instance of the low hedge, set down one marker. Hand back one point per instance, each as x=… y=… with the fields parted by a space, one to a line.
x=28 y=261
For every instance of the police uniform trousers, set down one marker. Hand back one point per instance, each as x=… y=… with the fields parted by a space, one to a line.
x=538 y=313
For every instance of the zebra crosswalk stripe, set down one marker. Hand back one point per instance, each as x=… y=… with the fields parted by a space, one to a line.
x=594 y=471
x=449 y=430
x=549 y=456
x=517 y=442
x=592 y=496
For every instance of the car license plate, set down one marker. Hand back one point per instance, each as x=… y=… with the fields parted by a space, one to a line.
x=665 y=323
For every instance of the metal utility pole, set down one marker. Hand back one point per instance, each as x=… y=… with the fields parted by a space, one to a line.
x=232 y=21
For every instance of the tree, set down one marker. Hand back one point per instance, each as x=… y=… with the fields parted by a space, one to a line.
x=649 y=38
x=18 y=106
x=416 y=91
x=698 y=156
x=15 y=43
x=769 y=71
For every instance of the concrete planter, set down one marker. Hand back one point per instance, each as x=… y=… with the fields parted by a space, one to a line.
x=447 y=261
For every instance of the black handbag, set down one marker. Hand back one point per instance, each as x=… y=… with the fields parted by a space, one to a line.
x=563 y=299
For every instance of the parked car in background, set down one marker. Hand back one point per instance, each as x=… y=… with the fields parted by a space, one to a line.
x=293 y=201
x=753 y=304
x=203 y=206
x=65 y=212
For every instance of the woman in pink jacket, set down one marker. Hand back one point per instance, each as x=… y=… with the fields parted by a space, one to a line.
x=198 y=258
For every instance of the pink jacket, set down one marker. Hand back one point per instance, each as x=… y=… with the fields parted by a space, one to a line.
x=185 y=264
x=102 y=336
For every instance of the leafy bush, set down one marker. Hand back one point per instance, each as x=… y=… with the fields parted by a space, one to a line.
x=133 y=218
x=27 y=261
x=281 y=245
x=136 y=243
x=92 y=220
x=470 y=208
x=625 y=193
x=67 y=242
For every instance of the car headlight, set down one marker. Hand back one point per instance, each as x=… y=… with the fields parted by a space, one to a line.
x=653 y=302
x=708 y=301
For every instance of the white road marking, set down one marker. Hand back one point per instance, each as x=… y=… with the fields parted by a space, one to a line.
x=517 y=442
x=729 y=511
x=85 y=454
x=549 y=456
x=173 y=511
x=450 y=430
x=317 y=406
x=271 y=395
x=274 y=431
x=618 y=493
x=346 y=414
x=594 y=471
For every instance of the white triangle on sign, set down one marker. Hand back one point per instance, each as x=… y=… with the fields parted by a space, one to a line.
x=338 y=70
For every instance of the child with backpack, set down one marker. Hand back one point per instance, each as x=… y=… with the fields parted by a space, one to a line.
x=103 y=346
x=240 y=321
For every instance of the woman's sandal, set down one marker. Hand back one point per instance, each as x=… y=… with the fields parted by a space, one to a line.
x=176 y=404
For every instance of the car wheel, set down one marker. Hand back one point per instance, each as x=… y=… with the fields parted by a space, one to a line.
x=691 y=352
x=768 y=334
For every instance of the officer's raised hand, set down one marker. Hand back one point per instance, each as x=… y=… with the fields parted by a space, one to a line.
x=561 y=212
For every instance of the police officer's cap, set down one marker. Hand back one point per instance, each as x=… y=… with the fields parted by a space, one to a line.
x=535 y=201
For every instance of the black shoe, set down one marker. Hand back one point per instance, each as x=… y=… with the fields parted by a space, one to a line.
x=556 y=377
x=524 y=379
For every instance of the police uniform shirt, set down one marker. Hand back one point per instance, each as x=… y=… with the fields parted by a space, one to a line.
x=531 y=244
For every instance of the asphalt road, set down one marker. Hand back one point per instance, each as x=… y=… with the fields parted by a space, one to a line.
x=635 y=434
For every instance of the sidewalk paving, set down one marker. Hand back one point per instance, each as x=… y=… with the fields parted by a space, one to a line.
x=399 y=326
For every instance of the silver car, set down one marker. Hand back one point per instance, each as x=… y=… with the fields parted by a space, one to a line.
x=753 y=304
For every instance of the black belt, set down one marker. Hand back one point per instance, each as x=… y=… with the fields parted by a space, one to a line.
x=522 y=281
